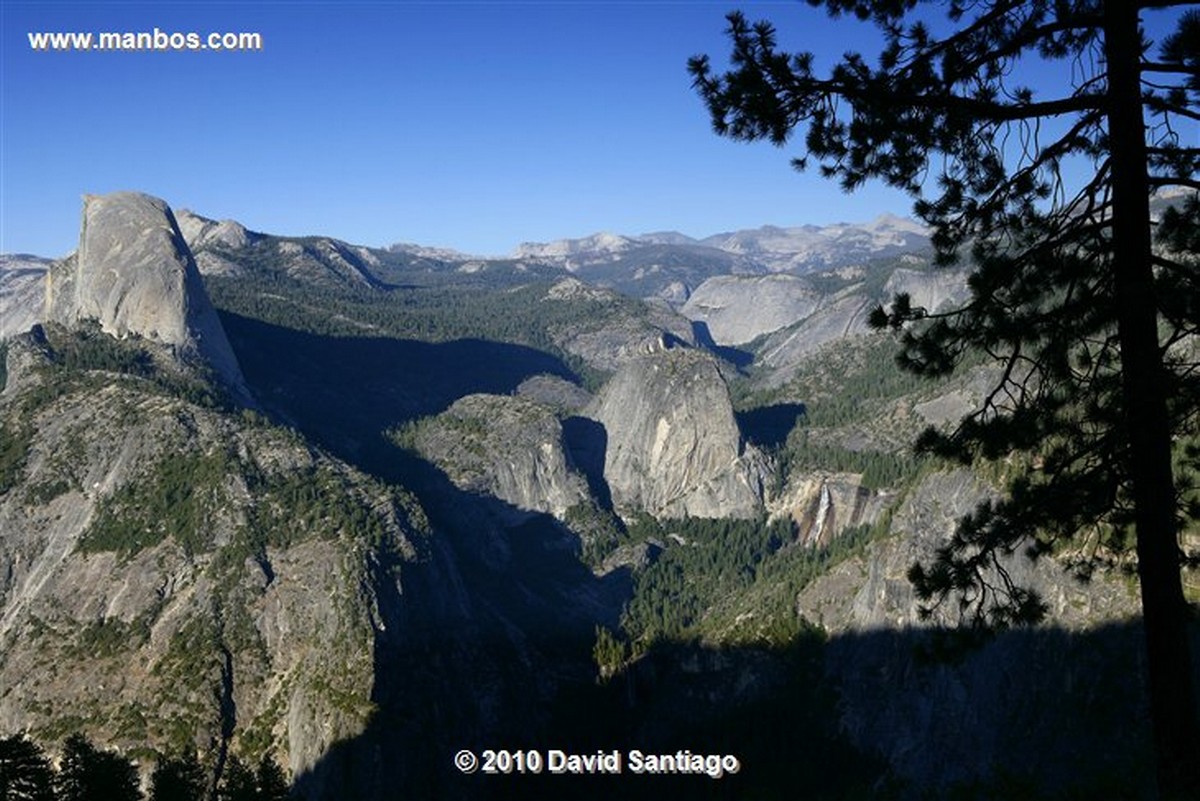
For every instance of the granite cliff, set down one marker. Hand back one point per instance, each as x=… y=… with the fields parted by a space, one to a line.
x=505 y=447
x=177 y=577
x=737 y=309
x=22 y=293
x=178 y=571
x=673 y=446
x=133 y=272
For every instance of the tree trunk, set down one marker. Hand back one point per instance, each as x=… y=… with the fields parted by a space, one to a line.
x=1164 y=610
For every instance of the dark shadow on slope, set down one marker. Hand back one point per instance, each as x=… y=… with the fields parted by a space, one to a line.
x=485 y=642
x=472 y=640
x=586 y=442
x=740 y=359
x=1033 y=714
x=769 y=426
x=346 y=391
x=475 y=634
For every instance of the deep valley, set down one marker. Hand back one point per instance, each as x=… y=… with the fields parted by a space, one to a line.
x=357 y=509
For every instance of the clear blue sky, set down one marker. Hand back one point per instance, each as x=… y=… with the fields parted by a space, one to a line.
x=474 y=125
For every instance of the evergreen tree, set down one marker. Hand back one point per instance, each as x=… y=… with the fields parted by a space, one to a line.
x=88 y=774
x=78 y=754
x=1048 y=189
x=25 y=773
x=237 y=782
x=608 y=652
x=182 y=779
x=272 y=783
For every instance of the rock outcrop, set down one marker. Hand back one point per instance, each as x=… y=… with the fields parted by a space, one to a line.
x=555 y=393
x=673 y=445
x=172 y=577
x=135 y=274
x=609 y=329
x=838 y=317
x=737 y=309
x=326 y=261
x=873 y=591
x=508 y=448
x=1057 y=705
x=22 y=290
x=211 y=242
x=201 y=232
x=823 y=505
x=929 y=289
x=593 y=245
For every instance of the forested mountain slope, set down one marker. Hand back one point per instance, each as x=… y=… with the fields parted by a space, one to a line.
x=453 y=503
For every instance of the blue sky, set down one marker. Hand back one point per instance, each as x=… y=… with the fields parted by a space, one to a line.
x=474 y=125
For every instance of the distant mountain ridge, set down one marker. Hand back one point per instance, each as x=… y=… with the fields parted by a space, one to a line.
x=729 y=288
x=768 y=248
x=809 y=247
x=668 y=265
x=616 y=490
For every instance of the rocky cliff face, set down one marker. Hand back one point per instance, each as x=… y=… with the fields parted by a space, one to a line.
x=823 y=505
x=210 y=241
x=327 y=261
x=673 y=446
x=22 y=293
x=134 y=273
x=506 y=447
x=200 y=232
x=1046 y=707
x=929 y=289
x=737 y=309
x=619 y=329
x=785 y=319
x=838 y=317
x=873 y=591
x=174 y=577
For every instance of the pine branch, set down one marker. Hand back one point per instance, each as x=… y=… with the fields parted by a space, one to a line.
x=895 y=96
x=1158 y=182
x=1157 y=104
x=1173 y=151
x=1177 y=69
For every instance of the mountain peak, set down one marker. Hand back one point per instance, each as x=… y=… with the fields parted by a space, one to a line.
x=200 y=231
x=135 y=274
x=895 y=222
x=602 y=242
